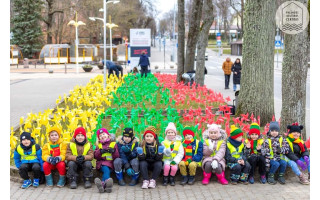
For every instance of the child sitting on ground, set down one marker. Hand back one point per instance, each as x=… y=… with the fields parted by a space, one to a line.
x=105 y=153
x=236 y=160
x=127 y=145
x=214 y=150
x=173 y=154
x=150 y=156
x=254 y=154
x=53 y=155
x=79 y=156
x=27 y=157
x=192 y=156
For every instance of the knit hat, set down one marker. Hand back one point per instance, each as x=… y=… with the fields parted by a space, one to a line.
x=235 y=132
x=188 y=130
x=274 y=126
x=25 y=135
x=214 y=127
x=56 y=129
x=172 y=127
x=254 y=128
x=128 y=132
x=295 y=127
x=152 y=130
x=102 y=130
x=80 y=130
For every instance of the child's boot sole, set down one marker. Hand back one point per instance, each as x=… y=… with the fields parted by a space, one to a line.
x=109 y=184
x=98 y=183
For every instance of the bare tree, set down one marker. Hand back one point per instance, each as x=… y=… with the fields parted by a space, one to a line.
x=238 y=6
x=181 y=38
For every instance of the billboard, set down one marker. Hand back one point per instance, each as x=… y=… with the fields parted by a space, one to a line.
x=140 y=40
x=137 y=51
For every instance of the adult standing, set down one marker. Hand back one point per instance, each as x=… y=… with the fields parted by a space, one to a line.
x=226 y=66
x=236 y=69
x=144 y=63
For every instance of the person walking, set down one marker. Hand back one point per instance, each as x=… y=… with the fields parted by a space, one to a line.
x=236 y=69
x=226 y=66
x=144 y=63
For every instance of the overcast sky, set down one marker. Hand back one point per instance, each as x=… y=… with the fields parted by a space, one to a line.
x=164 y=6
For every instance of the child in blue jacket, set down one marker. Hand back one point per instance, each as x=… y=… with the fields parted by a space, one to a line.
x=27 y=157
x=127 y=145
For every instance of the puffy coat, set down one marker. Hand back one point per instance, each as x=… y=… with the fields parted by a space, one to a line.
x=80 y=149
x=179 y=155
x=236 y=67
x=295 y=154
x=144 y=61
x=27 y=151
x=102 y=160
x=126 y=157
x=226 y=66
x=63 y=150
x=151 y=154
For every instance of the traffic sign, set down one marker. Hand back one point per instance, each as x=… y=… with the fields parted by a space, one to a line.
x=218 y=34
x=278 y=43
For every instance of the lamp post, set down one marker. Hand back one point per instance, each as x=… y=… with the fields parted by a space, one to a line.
x=111 y=26
x=76 y=24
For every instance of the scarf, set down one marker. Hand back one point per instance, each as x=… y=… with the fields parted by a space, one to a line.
x=253 y=145
x=235 y=143
x=297 y=141
x=81 y=143
x=187 y=145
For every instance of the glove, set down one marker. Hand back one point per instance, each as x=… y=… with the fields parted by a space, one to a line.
x=130 y=172
x=306 y=158
x=50 y=160
x=125 y=149
x=173 y=163
x=167 y=152
x=214 y=164
x=111 y=150
x=102 y=151
x=57 y=159
x=301 y=164
x=139 y=150
x=160 y=149
x=80 y=159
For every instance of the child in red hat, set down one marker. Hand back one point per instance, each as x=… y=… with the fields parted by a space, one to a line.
x=79 y=156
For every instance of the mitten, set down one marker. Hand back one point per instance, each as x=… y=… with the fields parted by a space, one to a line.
x=306 y=158
x=111 y=150
x=102 y=151
x=125 y=149
x=58 y=159
x=167 y=152
x=160 y=149
x=130 y=172
x=50 y=159
x=139 y=150
x=173 y=163
x=80 y=159
x=301 y=164
x=214 y=164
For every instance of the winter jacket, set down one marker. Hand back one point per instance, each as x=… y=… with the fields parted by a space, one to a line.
x=109 y=64
x=27 y=151
x=178 y=156
x=150 y=153
x=220 y=154
x=80 y=149
x=294 y=153
x=126 y=157
x=144 y=61
x=236 y=67
x=226 y=66
x=54 y=152
x=231 y=159
x=102 y=160
x=248 y=151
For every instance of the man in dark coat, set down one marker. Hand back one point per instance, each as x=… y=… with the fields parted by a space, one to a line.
x=144 y=63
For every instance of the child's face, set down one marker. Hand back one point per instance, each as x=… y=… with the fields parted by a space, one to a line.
x=104 y=136
x=80 y=138
x=54 y=136
x=254 y=136
x=127 y=139
x=26 y=142
x=171 y=135
x=296 y=135
x=239 y=139
x=149 y=138
x=274 y=133
x=213 y=135
x=188 y=137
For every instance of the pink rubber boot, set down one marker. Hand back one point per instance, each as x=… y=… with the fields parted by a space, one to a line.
x=206 y=178
x=221 y=178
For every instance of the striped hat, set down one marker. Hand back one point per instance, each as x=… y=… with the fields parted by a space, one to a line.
x=235 y=132
x=188 y=130
x=254 y=128
x=152 y=130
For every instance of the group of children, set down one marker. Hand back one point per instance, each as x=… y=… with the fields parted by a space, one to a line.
x=126 y=155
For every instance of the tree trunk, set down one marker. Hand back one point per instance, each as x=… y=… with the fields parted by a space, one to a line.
x=257 y=91
x=203 y=40
x=194 y=28
x=242 y=9
x=181 y=37
x=294 y=77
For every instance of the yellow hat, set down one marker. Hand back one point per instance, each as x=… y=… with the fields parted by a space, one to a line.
x=56 y=129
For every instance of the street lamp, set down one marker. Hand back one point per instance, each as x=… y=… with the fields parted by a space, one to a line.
x=111 y=26
x=76 y=24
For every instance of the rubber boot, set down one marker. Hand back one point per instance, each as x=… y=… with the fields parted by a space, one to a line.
x=134 y=179
x=191 y=180
x=221 y=178
x=87 y=183
x=62 y=181
x=119 y=176
x=184 y=180
x=73 y=183
x=165 y=180
x=100 y=185
x=171 y=179
x=108 y=185
x=271 y=179
x=281 y=179
x=49 y=180
x=206 y=178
